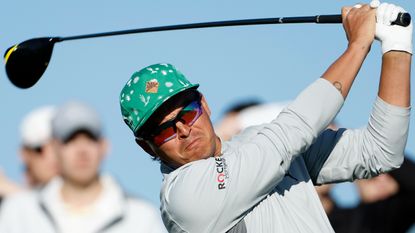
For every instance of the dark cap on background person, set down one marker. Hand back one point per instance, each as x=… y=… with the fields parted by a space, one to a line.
x=74 y=117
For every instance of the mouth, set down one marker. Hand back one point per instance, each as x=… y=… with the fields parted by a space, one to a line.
x=192 y=144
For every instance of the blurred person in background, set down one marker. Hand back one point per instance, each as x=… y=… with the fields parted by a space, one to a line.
x=80 y=199
x=7 y=187
x=387 y=203
x=245 y=113
x=229 y=124
x=36 y=153
x=36 y=150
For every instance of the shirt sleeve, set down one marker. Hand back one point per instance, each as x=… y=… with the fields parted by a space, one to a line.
x=214 y=194
x=316 y=155
x=367 y=152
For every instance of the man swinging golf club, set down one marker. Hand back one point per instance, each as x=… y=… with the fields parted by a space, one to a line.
x=262 y=180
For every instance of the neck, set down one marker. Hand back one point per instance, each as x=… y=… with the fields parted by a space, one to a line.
x=80 y=195
x=218 y=150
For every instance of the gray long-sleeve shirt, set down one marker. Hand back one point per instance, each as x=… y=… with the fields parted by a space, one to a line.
x=264 y=179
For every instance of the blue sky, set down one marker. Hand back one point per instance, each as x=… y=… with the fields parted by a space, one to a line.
x=272 y=62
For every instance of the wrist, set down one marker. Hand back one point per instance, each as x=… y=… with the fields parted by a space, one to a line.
x=402 y=57
x=358 y=50
x=397 y=46
x=359 y=47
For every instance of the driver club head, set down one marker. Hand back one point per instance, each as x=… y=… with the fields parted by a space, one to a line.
x=27 y=61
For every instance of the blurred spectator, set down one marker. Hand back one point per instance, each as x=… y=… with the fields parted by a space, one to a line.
x=80 y=199
x=227 y=127
x=244 y=114
x=323 y=192
x=387 y=204
x=7 y=187
x=36 y=151
x=39 y=160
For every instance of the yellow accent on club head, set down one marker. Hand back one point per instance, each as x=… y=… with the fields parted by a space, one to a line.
x=9 y=52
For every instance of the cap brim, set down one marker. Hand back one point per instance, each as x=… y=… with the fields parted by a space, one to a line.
x=156 y=106
x=91 y=133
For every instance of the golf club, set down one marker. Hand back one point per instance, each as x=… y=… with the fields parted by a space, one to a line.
x=26 y=62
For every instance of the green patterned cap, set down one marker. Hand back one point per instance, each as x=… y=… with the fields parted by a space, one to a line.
x=147 y=90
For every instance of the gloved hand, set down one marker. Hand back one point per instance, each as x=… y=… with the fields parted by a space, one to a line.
x=392 y=37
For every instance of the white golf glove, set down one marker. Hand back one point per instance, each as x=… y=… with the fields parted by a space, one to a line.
x=392 y=37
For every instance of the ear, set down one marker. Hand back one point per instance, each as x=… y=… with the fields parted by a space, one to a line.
x=146 y=147
x=55 y=145
x=105 y=147
x=205 y=105
x=24 y=155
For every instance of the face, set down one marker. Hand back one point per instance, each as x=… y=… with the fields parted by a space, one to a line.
x=323 y=192
x=193 y=137
x=80 y=158
x=377 y=188
x=40 y=164
x=229 y=126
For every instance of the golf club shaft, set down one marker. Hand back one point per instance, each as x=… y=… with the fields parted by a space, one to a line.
x=403 y=19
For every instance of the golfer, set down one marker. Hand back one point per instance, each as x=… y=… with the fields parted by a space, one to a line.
x=262 y=179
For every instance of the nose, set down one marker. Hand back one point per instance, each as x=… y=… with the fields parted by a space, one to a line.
x=183 y=130
x=81 y=146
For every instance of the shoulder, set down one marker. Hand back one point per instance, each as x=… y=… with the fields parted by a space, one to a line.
x=20 y=205
x=246 y=135
x=143 y=215
x=21 y=198
x=188 y=194
x=140 y=205
x=133 y=203
x=188 y=176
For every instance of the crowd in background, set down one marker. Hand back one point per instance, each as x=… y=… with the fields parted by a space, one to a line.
x=63 y=147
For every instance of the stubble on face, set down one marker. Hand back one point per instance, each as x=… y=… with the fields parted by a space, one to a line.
x=195 y=142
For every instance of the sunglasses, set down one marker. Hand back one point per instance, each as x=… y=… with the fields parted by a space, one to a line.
x=37 y=149
x=168 y=130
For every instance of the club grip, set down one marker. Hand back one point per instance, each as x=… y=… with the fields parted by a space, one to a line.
x=329 y=19
x=403 y=19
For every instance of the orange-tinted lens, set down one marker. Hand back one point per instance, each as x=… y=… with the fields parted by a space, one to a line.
x=164 y=136
x=187 y=116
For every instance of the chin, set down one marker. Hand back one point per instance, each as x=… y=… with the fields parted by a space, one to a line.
x=203 y=155
x=83 y=178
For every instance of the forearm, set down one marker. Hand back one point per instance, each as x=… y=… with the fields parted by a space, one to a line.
x=394 y=87
x=344 y=70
